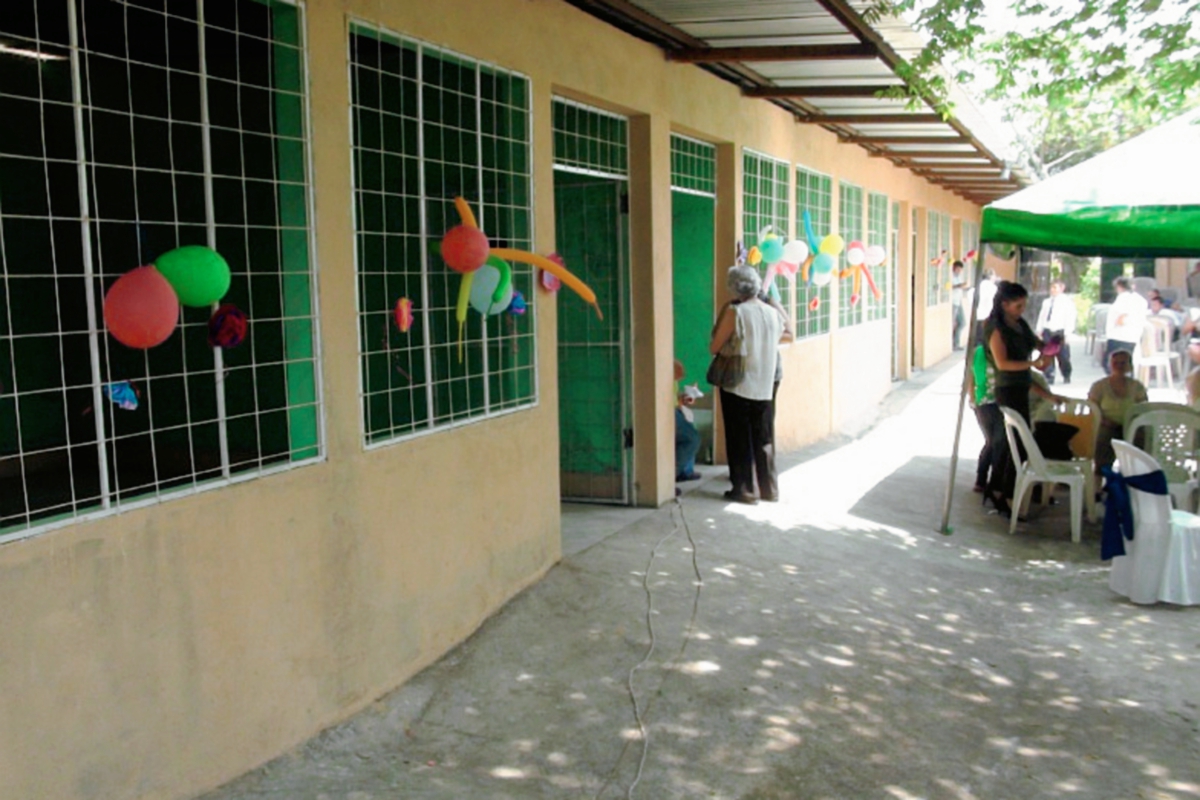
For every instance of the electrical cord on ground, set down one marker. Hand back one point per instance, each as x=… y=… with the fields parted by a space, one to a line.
x=638 y=711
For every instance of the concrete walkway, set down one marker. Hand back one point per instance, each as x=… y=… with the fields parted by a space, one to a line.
x=831 y=646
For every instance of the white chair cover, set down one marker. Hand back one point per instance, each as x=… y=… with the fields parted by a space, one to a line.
x=1162 y=563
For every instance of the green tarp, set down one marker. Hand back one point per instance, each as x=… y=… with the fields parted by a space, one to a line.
x=1140 y=198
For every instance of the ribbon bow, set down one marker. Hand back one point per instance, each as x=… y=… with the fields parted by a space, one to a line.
x=1118 y=510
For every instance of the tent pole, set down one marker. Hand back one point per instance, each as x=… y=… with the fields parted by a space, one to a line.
x=962 y=399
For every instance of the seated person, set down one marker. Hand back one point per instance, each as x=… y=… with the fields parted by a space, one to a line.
x=1115 y=395
x=687 y=438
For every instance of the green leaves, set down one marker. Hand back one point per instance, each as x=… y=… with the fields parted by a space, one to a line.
x=1077 y=75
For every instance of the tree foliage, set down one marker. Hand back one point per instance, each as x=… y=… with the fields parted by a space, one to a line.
x=1077 y=75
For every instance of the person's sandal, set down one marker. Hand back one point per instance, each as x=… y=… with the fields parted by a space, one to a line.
x=738 y=497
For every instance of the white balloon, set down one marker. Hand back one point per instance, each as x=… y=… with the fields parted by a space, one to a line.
x=855 y=256
x=795 y=251
x=822 y=278
x=876 y=255
x=487 y=278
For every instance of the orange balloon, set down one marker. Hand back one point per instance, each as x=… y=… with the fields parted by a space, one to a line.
x=141 y=309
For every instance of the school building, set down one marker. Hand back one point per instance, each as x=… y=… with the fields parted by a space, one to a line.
x=209 y=554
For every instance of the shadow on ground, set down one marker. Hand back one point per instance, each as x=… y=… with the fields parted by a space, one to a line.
x=830 y=646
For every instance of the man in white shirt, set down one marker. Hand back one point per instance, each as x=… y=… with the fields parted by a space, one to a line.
x=1126 y=317
x=958 y=283
x=1055 y=322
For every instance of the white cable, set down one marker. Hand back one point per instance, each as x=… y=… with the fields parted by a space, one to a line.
x=687 y=635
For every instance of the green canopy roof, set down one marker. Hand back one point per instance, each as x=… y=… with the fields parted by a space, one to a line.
x=1140 y=198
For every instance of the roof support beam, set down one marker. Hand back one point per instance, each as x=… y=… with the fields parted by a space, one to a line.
x=816 y=52
x=883 y=138
x=872 y=119
x=958 y=155
x=775 y=92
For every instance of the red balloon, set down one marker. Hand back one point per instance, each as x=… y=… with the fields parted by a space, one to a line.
x=465 y=248
x=141 y=309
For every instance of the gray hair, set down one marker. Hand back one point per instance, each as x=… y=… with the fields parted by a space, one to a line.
x=744 y=281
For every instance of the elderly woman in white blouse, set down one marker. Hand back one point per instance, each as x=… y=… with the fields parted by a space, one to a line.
x=747 y=409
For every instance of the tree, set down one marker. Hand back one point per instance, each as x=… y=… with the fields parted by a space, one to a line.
x=1078 y=75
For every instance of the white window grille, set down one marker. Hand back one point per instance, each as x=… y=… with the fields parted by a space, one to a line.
x=130 y=130
x=430 y=125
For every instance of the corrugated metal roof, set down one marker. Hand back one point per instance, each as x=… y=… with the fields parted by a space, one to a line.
x=820 y=60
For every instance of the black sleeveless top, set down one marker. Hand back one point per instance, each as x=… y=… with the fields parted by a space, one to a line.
x=1020 y=345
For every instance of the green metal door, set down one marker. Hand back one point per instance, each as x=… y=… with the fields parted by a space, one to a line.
x=693 y=248
x=692 y=233
x=595 y=433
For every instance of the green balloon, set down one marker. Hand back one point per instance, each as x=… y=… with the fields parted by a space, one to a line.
x=199 y=276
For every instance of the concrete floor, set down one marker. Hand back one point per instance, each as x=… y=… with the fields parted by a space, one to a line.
x=834 y=645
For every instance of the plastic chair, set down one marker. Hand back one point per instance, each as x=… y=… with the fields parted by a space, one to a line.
x=1036 y=468
x=1085 y=415
x=1138 y=409
x=1162 y=562
x=1143 y=284
x=1171 y=436
x=1154 y=352
x=1097 y=333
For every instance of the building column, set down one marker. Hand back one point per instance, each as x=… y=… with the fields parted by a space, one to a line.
x=653 y=330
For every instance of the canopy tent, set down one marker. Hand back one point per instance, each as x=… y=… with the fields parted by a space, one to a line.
x=1140 y=198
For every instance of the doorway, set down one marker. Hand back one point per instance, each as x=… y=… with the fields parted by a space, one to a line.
x=693 y=253
x=591 y=204
x=595 y=424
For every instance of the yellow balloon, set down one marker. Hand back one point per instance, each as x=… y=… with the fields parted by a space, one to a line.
x=754 y=256
x=833 y=244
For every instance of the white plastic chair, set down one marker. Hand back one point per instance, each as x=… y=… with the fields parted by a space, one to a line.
x=1036 y=468
x=1162 y=562
x=1138 y=409
x=1171 y=437
x=1097 y=330
x=1154 y=353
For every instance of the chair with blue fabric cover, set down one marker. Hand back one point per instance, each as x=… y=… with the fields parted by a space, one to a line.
x=1170 y=437
x=1036 y=468
x=1162 y=561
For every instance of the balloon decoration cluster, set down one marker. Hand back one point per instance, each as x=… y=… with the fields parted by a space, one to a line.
x=141 y=310
x=487 y=285
x=815 y=261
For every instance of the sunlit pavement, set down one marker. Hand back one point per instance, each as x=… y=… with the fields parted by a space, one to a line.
x=836 y=645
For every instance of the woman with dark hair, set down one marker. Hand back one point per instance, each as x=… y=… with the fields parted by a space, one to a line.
x=1010 y=344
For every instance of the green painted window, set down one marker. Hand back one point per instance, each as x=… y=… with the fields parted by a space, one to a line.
x=586 y=140
x=430 y=126
x=850 y=226
x=693 y=166
x=970 y=239
x=937 y=253
x=947 y=255
x=814 y=194
x=120 y=148
x=765 y=203
x=877 y=234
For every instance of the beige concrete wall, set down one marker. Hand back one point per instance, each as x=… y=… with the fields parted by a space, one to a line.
x=1174 y=272
x=166 y=650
